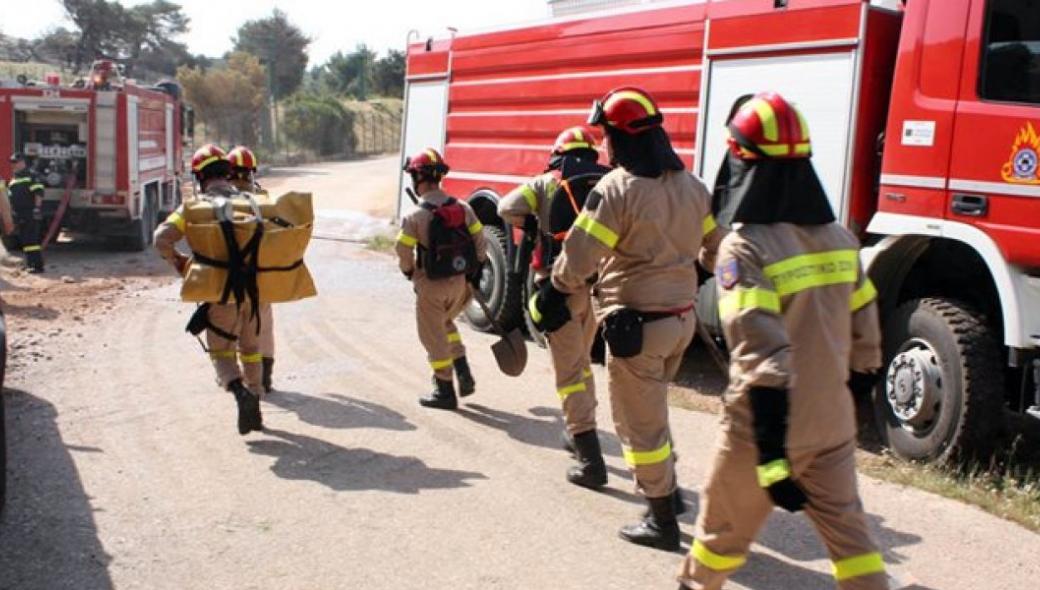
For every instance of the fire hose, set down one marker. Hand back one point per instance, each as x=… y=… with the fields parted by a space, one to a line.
x=59 y=215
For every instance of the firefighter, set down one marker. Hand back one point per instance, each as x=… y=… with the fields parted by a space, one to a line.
x=641 y=232
x=231 y=330
x=801 y=323
x=26 y=196
x=441 y=293
x=243 y=177
x=540 y=207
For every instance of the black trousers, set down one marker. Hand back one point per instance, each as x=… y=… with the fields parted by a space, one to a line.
x=30 y=233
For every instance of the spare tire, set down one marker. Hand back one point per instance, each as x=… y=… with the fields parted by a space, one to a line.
x=499 y=287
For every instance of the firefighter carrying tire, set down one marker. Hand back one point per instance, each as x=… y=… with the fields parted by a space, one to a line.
x=941 y=396
x=499 y=286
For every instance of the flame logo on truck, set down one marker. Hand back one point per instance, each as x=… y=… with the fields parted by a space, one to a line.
x=1024 y=165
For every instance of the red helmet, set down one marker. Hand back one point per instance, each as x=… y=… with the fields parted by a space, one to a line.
x=242 y=157
x=768 y=126
x=628 y=109
x=427 y=163
x=574 y=138
x=206 y=155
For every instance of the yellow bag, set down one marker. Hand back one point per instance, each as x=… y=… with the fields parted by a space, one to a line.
x=281 y=276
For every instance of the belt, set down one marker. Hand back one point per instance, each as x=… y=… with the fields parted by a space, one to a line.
x=653 y=316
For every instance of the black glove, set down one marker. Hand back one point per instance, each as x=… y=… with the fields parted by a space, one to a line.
x=531 y=225
x=862 y=384
x=769 y=409
x=408 y=274
x=548 y=308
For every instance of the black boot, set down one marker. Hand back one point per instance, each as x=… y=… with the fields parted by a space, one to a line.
x=268 y=364
x=442 y=398
x=677 y=499
x=467 y=385
x=590 y=472
x=34 y=262
x=249 y=417
x=567 y=443
x=660 y=530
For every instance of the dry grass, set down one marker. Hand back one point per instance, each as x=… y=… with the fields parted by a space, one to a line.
x=380 y=243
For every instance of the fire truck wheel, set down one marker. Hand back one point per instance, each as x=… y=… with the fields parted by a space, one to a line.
x=537 y=336
x=941 y=395
x=501 y=290
x=142 y=229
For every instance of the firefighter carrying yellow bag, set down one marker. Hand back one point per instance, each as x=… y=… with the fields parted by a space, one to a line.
x=248 y=246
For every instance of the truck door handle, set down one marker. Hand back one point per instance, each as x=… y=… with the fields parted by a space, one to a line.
x=970 y=205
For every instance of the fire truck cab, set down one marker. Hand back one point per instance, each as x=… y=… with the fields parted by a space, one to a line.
x=925 y=119
x=108 y=151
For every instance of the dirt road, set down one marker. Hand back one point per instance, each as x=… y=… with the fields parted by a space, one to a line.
x=127 y=472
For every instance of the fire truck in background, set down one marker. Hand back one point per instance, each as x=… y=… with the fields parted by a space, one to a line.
x=925 y=119
x=108 y=151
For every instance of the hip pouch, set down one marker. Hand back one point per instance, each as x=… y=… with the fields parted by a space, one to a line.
x=623 y=331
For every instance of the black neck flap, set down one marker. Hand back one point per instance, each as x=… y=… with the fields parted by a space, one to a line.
x=648 y=154
x=769 y=191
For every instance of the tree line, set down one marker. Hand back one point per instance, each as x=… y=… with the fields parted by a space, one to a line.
x=268 y=61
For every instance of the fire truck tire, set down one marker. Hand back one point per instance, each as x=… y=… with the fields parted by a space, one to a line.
x=537 y=336
x=142 y=229
x=941 y=396
x=501 y=289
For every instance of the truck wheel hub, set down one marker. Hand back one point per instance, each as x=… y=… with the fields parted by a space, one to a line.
x=914 y=384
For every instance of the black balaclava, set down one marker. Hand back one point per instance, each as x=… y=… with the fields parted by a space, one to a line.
x=769 y=191
x=648 y=154
x=580 y=157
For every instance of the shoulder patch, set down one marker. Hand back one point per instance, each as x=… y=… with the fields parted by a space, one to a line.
x=592 y=203
x=728 y=273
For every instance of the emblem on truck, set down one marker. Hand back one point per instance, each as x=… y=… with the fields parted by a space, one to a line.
x=1024 y=165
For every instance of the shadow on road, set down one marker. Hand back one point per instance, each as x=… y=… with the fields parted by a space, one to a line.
x=48 y=537
x=300 y=457
x=334 y=410
x=543 y=430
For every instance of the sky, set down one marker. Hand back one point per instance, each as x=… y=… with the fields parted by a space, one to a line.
x=332 y=25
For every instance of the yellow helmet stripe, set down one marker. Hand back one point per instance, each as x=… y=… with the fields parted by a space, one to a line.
x=578 y=134
x=632 y=95
x=433 y=156
x=766 y=114
x=575 y=145
x=206 y=162
x=804 y=124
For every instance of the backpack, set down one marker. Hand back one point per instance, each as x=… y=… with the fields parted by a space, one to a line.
x=574 y=183
x=451 y=250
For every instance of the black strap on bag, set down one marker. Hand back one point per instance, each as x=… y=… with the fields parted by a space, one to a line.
x=199 y=323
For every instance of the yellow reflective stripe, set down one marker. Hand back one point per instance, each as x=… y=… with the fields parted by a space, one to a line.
x=799 y=273
x=206 y=162
x=803 y=148
x=767 y=115
x=532 y=308
x=177 y=220
x=438 y=365
x=744 y=299
x=574 y=145
x=222 y=354
x=531 y=197
x=597 y=230
x=719 y=563
x=709 y=224
x=252 y=358
x=775 y=150
x=773 y=472
x=578 y=134
x=36 y=248
x=454 y=337
x=636 y=458
x=632 y=95
x=861 y=565
x=407 y=240
x=19 y=180
x=475 y=228
x=586 y=373
x=863 y=296
x=37 y=187
x=804 y=125
x=565 y=392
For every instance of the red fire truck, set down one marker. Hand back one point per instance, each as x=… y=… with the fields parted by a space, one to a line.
x=108 y=151
x=925 y=119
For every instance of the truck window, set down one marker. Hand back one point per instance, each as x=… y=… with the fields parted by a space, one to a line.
x=1011 y=51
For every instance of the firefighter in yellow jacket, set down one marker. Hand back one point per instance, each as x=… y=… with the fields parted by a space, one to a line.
x=231 y=330
x=441 y=249
x=547 y=206
x=243 y=177
x=641 y=233
x=801 y=324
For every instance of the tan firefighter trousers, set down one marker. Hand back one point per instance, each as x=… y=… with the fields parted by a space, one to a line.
x=267 y=330
x=734 y=508
x=639 y=401
x=437 y=305
x=226 y=354
x=569 y=348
